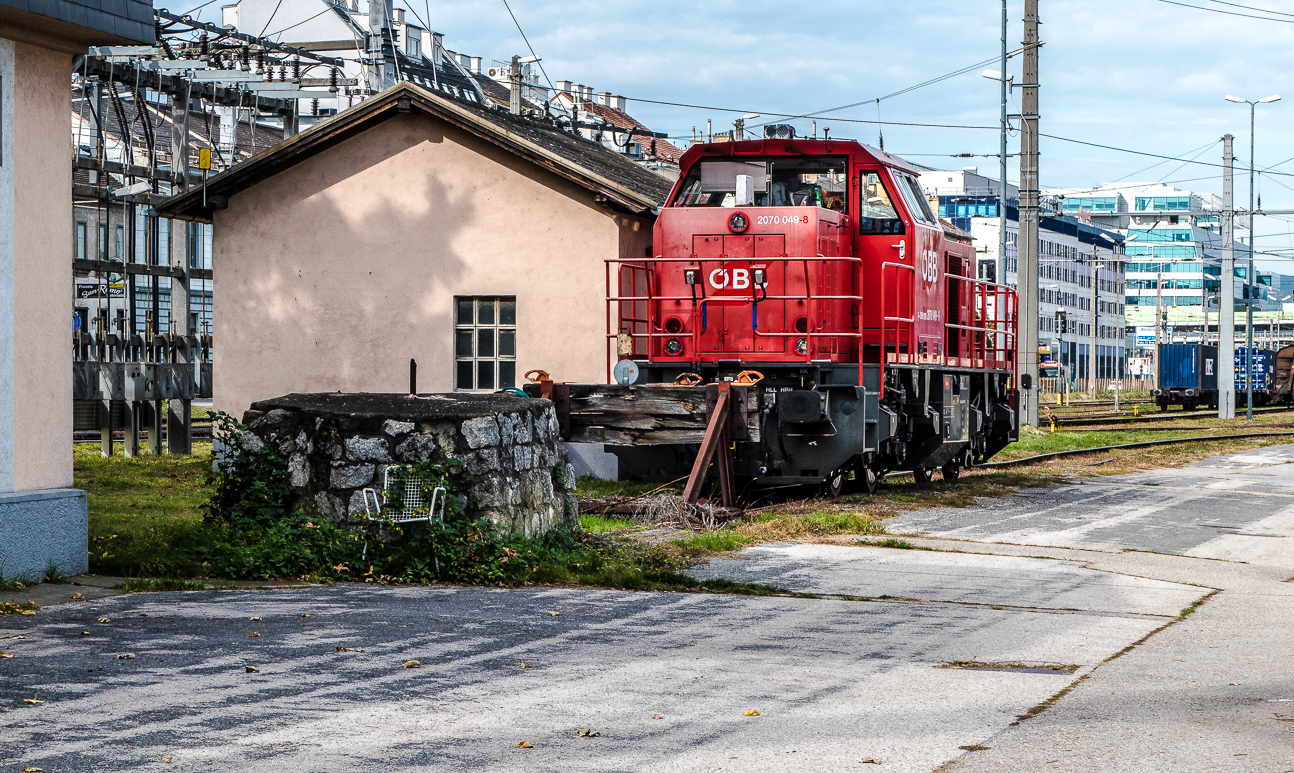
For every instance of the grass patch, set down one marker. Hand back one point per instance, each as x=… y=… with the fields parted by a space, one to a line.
x=599 y=524
x=153 y=584
x=16 y=582
x=709 y=542
x=592 y=487
x=891 y=542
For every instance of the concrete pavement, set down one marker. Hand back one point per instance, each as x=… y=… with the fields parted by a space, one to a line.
x=836 y=679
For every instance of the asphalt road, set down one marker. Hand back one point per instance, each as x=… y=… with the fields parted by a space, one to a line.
x=859 y=673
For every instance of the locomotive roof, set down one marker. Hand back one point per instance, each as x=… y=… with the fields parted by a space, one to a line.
x=771 y=146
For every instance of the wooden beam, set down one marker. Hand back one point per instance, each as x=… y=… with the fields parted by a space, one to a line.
x=715 y=435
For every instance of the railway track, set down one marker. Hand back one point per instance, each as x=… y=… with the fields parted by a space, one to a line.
x=1145 y=444
x=1063 y=422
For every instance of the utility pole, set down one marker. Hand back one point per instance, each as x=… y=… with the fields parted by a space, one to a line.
x=1001 y=193
x=380 y=52
x=514 y=86
x=1159 y=320
x=1027 y=250
x=1249 y=282
x=1226 y=290
x=1096 y=305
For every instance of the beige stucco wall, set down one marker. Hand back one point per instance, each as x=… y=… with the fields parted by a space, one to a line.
x=334 y=273
x=41 y=243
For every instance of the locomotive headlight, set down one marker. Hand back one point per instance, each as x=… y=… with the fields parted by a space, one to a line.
x=738 y=222
x=802 y=346
x=673 y=347
x=759 y=277
x=689 y=276
x=674 y=325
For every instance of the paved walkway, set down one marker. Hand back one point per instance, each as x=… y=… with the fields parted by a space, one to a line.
x=858 y=671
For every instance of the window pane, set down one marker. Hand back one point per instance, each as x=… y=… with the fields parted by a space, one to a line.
x=464 y=311
x=463 y=343
x=485 y=313
x=464 y=380
x=485 y=343
x=507 y=343
x=507 y=312
x=485 y=375
x=507 y=374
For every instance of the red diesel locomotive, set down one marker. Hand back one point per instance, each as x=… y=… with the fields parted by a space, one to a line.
x=820 y=265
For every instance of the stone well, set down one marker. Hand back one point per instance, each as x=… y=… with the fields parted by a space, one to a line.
x=338 y=444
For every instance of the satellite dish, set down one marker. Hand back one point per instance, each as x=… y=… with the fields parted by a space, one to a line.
x=626 y=372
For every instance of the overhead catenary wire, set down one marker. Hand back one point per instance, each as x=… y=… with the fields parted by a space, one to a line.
x=532 y=48
x=1234 y=13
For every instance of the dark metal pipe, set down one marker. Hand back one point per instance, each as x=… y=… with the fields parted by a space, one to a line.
x=413 y=377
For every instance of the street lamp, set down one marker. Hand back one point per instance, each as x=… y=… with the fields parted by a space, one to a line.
x=1249 y=271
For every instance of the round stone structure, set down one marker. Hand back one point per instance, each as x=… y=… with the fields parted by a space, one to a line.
x=337 y=444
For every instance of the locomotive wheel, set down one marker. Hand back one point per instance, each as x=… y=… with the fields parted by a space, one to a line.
x=921 y=476
x=867 y=479
x=952 y=469
x=833 y=485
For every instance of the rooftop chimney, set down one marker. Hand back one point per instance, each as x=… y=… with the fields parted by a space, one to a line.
x=604 y=98
x=474 y=65
x=618 y=102
x=564 y=86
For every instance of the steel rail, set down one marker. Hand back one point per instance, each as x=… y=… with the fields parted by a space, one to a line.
x=1144 y=444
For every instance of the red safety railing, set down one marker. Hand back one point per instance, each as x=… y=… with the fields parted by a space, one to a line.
x=639 y=320
x=991 y=337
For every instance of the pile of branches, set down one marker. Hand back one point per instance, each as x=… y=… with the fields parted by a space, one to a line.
x=662 y=510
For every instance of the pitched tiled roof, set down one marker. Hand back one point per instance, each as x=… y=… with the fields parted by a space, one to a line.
x=616 y=179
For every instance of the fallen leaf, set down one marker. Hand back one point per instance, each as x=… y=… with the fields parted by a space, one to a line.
x=29 y=612
x=32 y=701
x=869 y=761
x=166 y=760
x=77 y=596
x=1233 y=684
x=751 y=713
x=588 y=733
x=252 y=669
x=657 y=716
x=104 y=620
x=126 y=656
x=32 y=769
x=554 y=614
x=524 y=664
x=143 y=614
x=255 y=619
x=5 y=655
x=410 y=664
x=85 y=633
x=524 y=744
x=349 y=649
x=253 y=633
x=305 y=615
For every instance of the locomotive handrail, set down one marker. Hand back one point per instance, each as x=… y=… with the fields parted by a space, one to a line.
x=648 y=268
x=885 y=318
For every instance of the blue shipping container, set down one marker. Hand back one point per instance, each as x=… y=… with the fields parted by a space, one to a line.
x=1188 y=366
x=1264 y=367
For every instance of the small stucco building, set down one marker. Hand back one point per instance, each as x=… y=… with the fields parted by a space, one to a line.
x=417 y=226
x=42 y=518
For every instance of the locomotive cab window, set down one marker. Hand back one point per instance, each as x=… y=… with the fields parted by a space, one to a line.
x=876 y=213
x=790 y=181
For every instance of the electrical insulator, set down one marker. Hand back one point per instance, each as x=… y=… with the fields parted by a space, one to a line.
x=246 y=57
x=332 y=80
x=260 y=62
x=283 y=74
x=157 y=26
x=204 y=46
x=314 y=108
x=296 y=69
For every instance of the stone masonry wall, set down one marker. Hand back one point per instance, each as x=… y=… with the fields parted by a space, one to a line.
x=336 y=445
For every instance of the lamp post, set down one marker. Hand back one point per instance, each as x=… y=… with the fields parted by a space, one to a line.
x=1249 y=271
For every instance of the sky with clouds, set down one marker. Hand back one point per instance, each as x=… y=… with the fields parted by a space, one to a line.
x=1146 y=75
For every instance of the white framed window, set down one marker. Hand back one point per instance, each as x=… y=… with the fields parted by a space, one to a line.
x=81 y=238
x=485 y=342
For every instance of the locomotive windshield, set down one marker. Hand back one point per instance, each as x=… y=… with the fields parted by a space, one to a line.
x=784 y=181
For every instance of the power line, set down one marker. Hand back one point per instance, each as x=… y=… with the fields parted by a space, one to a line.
x=267 y=21
x=1232 y=13
x=298 y=24
x=538 y=61
x=1143 y=153
x=1251 y=8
